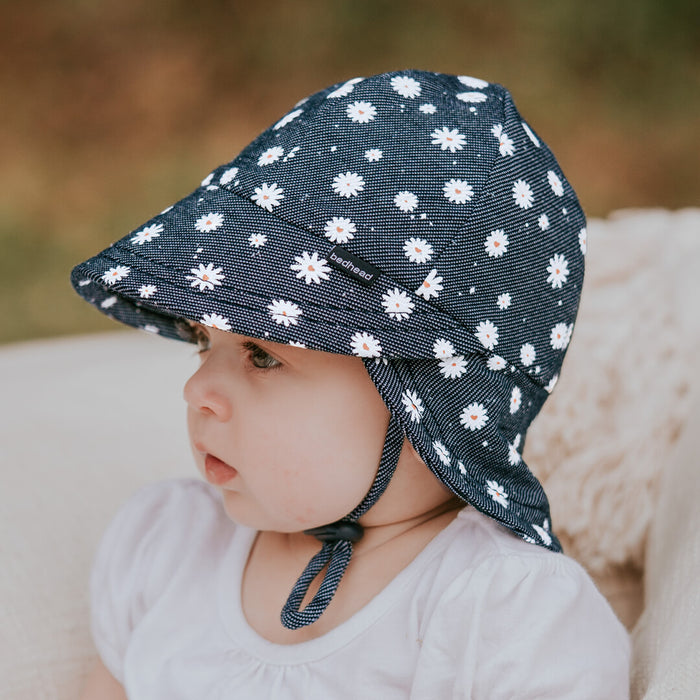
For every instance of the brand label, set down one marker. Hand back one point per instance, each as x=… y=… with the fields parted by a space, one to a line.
x=356 y=267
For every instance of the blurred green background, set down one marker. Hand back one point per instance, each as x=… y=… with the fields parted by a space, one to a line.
x=111 y=110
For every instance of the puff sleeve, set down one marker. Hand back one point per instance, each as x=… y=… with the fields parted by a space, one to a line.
x=135 y=559
x=524 y=628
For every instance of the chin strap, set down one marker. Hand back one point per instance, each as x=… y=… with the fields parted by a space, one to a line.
x=337 y=539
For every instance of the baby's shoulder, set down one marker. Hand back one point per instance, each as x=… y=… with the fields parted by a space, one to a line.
x=512 y=619
x=490 y=574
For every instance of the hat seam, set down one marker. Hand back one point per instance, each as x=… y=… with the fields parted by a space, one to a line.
x=477 y=199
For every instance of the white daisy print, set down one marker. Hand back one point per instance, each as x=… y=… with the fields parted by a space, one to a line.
x=431 y=286
x=345 y=89
x=441 y=452
x=361 y=112
x=472 y=82
x=506 y=146
x=583 y=240
x=206 y=180
x=418 y=250
x=448 y=139
x=365 y=345
x=496 y=363
x=544 y=535
x=428 y=108
x=471 y=97
x=522 y=194
x=453 y=367
x=146 y=291
x=287 y=119
x=268 y=196
x=496 y=243
x=406 y=86
x=487 y=334
x=205 y=277
x=296 y=344
x=311 y=268
x=216 y=321
x=116 y=274
x=513 y=454
x=406 y=201
x=373 y=155
x=257 y=240
x=397 y=304
x=209 y=222
x=458 y=191
x=497 y=492
x=552 y=383
x=348 y=184
x=228 y=175
x=147 y=234
x=516 y=397
x=340 y=229
x=151 y=329
x=543 y=222
x=531 y=134
x=558 y=271
x=291 y=154
x=443 y=348
x=108 y=303
x=527 y=354
x=270 y=155
x=503 y=301
x=560 y=336
x=284 y=312
x=474 y=416
x=555 y=183
x=413 y=405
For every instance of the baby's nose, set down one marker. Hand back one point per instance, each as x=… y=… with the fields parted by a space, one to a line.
x=202 y=394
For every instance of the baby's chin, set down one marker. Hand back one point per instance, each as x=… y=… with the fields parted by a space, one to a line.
x=239 y=510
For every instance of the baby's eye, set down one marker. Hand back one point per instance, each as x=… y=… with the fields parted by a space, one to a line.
x=202 y=341
x=259 y=358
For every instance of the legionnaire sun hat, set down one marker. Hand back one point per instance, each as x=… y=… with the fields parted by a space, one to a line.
x=412 y=219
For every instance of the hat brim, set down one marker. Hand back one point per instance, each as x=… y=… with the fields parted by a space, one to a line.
x=155 y=281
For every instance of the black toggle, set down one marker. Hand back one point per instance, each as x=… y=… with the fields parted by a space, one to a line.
x=335 y=532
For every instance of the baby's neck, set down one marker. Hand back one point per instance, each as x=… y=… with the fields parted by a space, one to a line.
x=277 y=559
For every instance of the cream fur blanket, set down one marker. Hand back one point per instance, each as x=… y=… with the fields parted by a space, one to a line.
x=603 y=436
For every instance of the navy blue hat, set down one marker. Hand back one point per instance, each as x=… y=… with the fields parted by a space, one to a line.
x=413 y=219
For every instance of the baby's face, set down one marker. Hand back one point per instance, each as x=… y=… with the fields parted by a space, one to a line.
x=301 y=431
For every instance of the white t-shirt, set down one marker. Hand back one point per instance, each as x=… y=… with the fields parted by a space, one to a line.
x=478 y=614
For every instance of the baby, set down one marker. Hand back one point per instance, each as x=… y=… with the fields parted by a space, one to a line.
x=382 y=287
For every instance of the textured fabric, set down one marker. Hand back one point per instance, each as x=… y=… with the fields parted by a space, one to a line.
x=465 y=243
x=455 y=623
